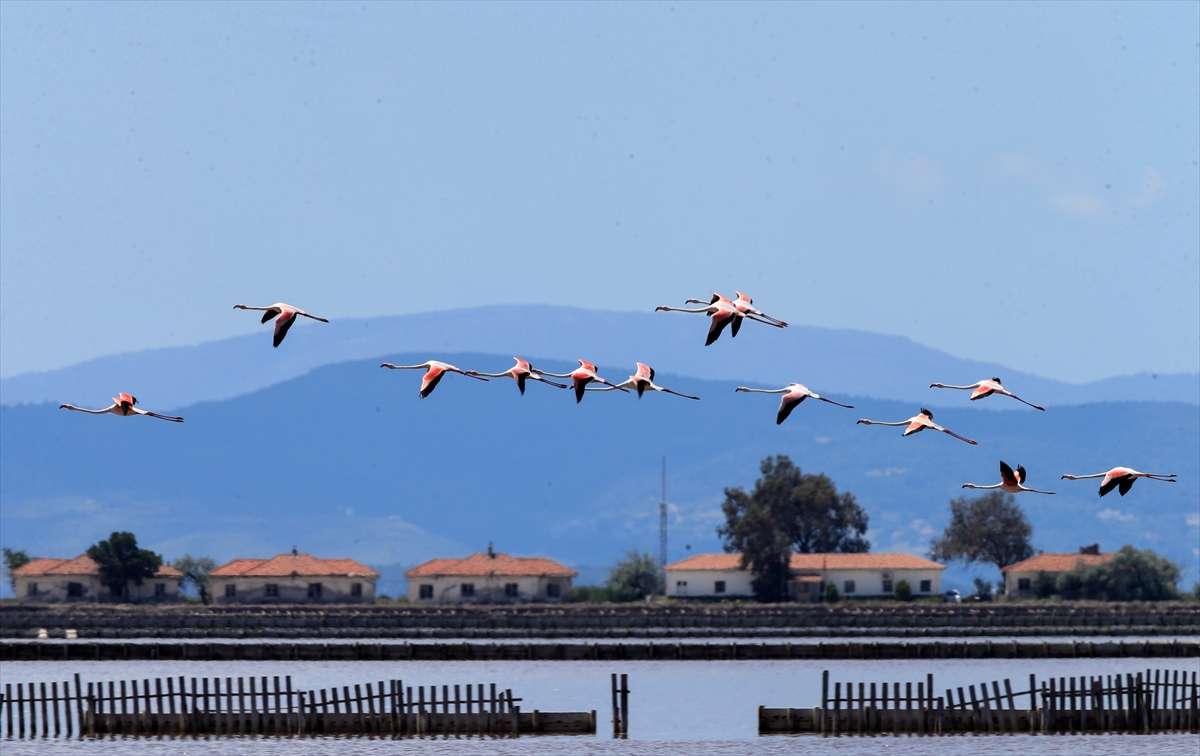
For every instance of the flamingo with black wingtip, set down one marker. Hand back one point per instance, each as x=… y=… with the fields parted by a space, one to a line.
x=522 y=372
x=985 y=388
x=580 y=378
x=123 y=405
x=793 y=395
x=918 y=423
x=641 y=382
x=1010 y=482
x=434 y=372
x=1121 y=478
x=721 y=312
x=286 y=314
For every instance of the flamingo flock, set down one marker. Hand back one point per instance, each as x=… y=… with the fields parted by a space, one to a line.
x=722 y=313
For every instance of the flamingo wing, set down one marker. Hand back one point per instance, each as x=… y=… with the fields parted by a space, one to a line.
x=788 y=403
x=1021 y=474
x=914 y=427
x=1007 y=475
x=429 y=382
x=268 y=315
x=1125 y=484
x=1111 y=481
x=717 y=324
x=737 y=326
x=282 y=326
x=981 y=392
x=521 y=378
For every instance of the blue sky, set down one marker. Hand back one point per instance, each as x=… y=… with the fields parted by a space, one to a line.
x=1016 y=183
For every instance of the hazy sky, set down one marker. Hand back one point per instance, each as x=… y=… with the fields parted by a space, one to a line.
x=1010 y=182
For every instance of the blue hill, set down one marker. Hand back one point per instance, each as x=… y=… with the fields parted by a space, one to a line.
x=347 y=461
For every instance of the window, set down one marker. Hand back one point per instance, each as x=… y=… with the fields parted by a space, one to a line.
x=681 y=587
x=160 y=589
x=1024 y=584
x=230 y=590
x=848 y=586
x=272 y=590
x=719 y=586
x=887 y=586
x=75 y=590
x=553 y=590
x=31 y=589
x=356 y=590
x=314 y=590
x=926 y=586
x=426 y=591
x=510 y=590
x=467 y=590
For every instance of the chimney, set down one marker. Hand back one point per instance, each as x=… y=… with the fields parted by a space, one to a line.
x=491 y=553
x=294 y=552
x=1093 y=549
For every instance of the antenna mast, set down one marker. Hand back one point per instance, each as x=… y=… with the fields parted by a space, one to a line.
x=662 y=525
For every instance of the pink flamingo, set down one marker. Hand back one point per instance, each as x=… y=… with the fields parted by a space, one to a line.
x=123 y=405
x=746 y=305
x=793 y=394
x=1122 y=478
x=985 y=388
x=520 y=373
x=918 y=423
x=434 y=371
x=724 y=312
x=287 y=315
x=642 y=381
x=1010 y=482
x=580 y=378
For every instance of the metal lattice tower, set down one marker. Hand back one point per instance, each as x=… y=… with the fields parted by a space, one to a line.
x=662 y=522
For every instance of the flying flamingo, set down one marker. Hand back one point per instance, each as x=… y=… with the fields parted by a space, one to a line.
x=434 y=371
x=986 y=388
x=793 y=394
x=580 y=378
x=1122 y=478
x=123 y=406
x=642 y=381
x=287 y=315
x=1010 y=482
x=919 y=423
x=520 y=373
x=722 y=311
x=745 y=304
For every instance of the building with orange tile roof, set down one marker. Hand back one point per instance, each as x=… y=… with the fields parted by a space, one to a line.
x=854 y=575
x=78 y=579
x=489 y=578
x=293 y=578
x=1019 y=577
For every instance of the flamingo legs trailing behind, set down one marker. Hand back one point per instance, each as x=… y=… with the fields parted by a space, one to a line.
x=434 y=371
x=918 y=423
x=641 y=382
x=580 y=378
x=985 y=388
x=123 y=405
x=793 y=395
x=522 y=372
x=1010 y=482
x=1121 y=478
x=287 y=315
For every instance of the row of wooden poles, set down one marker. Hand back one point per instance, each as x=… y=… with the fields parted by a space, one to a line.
x=1153 y=701
x=252 y=707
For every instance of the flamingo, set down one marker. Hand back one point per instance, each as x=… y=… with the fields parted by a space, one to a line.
x=1121 y=478
x=434 y=371
x=642 y=381
x=580 y=378
x=724 y=311
x=123 y=405
x=745 y=304
x=520 y=373
x=287 y=315
x=793 y=394
x=1010 y=482
x=919 y=423
x=986 y=388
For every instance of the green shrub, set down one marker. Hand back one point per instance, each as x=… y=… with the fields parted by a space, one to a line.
x=1043 y=586
x=1131 y=575
x=589 y=593
x=903 y=591
x=831 y=593
x=633 y=578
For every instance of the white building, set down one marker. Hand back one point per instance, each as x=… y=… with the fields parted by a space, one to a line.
x=490 y=578
x=854 y=575
x=78 y=579
x=293 y=578
x=1019 y=577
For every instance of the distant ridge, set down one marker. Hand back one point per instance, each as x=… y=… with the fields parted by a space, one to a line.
x=828 y=360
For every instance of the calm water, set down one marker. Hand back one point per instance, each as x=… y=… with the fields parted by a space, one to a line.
x=1097 y=639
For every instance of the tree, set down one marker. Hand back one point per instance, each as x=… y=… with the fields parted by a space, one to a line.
x=1043 y=586
x=983 y=590
x=989 y=529
x=14 y=560
x=122 y=562
x=788 y=512
x=633 y=578
x=195 y=571
x=1131 y=575
x=903 y=591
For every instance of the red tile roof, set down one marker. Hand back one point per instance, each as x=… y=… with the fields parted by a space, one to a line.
x=1057 y=562
x=500 y=565
x=294 y=565
x=815 y=562
x=80 y=565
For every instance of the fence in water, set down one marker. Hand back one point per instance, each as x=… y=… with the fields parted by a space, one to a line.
x=170 y=706
x=1153 y=701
